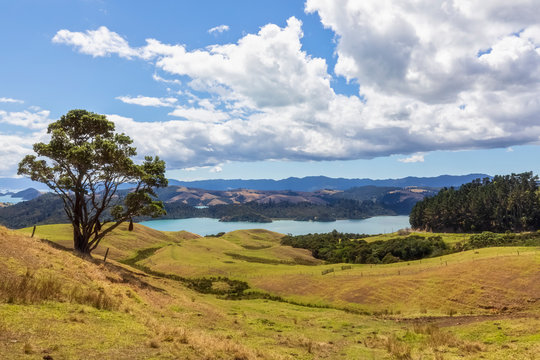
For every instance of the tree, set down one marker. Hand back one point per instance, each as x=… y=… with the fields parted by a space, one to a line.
x=86 y=162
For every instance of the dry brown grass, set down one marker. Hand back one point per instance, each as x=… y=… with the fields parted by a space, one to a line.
x=34 y=289
x=33 y=272
x=318 y=349
x=437 y=339
x=493 y=284
x=176 y=339
x=398 y=349
x=29 y=289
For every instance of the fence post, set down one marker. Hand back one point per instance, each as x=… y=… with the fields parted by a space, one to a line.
x=34 y=231
x=106 y=254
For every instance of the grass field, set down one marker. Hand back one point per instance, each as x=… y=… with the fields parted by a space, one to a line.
x=477 y=304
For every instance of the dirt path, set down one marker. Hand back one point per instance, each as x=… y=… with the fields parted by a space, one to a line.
x=446 y=321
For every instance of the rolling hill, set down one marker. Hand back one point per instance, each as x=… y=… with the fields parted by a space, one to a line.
x=245 y=205
x=467 y=305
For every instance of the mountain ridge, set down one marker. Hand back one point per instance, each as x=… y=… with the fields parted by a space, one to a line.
x=307 y=183
x=313 y=183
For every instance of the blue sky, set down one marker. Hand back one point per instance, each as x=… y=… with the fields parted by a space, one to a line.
x=342 y=88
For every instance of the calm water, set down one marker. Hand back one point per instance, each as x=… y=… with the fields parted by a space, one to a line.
x=8 y=198
x=207 y=226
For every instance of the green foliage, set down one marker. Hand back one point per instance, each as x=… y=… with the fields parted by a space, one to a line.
x=336 y=247
x=84 y=163
x=509 y=202
x=489 y=239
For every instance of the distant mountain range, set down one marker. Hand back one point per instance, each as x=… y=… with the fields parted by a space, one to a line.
x=13 y=185
x=27 y=194
x=308 y=184
x=314 y=183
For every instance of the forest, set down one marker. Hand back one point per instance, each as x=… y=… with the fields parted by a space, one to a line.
x=337 y=247
x=503 y=203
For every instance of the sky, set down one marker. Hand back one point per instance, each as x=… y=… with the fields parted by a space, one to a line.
x=272 y=89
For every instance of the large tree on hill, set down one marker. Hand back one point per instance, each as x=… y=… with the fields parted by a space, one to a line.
x=84 y=163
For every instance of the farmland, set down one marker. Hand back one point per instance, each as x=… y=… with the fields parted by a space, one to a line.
x=478 y=303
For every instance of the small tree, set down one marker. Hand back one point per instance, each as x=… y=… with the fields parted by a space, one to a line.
x=87 y=161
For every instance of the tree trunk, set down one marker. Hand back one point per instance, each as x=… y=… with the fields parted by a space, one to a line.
x=80 y=244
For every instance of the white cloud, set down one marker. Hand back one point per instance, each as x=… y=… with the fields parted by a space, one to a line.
x=198 y=114
x=433 y=76
x=413 y=159
x=192 y=168
x=12 y=151
x=10 y=100
x=100 y=42
x=216 y=169
x=148 y=101
x=34 y=120
x=18 y=143
x=168 y=81
x=218 y=29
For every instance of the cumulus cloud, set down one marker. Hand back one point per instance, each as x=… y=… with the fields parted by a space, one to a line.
x=34 y=120
x=413 y=159
x=10 y=100
x=148 y=101
x=14 y=148
x=27 y=127
x=198 y=114
x=168 y=81
x=433 y=76
x=218 y=29
x=100 y=42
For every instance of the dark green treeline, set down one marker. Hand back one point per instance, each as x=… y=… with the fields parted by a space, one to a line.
x=504 y=203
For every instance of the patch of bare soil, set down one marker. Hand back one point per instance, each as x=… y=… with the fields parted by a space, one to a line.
x=447 y=321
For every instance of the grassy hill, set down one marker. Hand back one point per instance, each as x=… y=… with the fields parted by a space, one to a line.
x=476 y=304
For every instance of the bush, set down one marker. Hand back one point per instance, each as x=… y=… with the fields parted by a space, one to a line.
x=337 y=247
x=389 y=258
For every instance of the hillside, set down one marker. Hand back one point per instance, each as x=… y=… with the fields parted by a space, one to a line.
x=411 y=310
x=244 y=205
x=258 y=257
x=202 y=197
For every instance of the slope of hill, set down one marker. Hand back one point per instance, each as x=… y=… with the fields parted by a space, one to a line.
x=26 y=194
x=17 y=184
x=242 y=205
x=201 y=197
x=49 y=297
